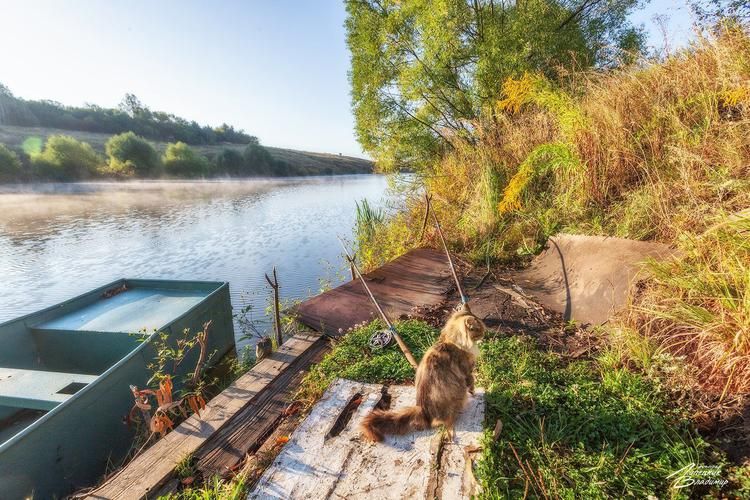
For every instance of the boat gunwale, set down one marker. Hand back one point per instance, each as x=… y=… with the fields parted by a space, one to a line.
x=148 y=338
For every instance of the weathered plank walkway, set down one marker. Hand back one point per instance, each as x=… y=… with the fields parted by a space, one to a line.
x=324 y=459
x=420 y=277
x=239 y=419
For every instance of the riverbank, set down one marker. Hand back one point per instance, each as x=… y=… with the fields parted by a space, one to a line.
x=40 y=153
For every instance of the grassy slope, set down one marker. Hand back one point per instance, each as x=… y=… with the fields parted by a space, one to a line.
x=13 y=136
x=657 y=152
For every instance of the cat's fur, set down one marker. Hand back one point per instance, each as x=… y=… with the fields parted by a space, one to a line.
x=444 y=378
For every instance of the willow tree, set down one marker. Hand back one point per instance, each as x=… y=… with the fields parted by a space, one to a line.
x=423 y=69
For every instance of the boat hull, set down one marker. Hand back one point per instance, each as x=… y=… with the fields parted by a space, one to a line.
x=73 y=444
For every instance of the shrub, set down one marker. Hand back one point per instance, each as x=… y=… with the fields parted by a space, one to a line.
x=133 y=155
x=258 y=160
x=230 y=162
x=10 y=165
x=181 y=161
x=65 y=158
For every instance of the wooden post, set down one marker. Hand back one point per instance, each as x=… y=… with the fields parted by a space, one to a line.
x=354 y=273
x=401 y=344
x=276 y=312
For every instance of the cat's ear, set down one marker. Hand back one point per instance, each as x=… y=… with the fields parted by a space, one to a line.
x=473 y=327
x=472 y=324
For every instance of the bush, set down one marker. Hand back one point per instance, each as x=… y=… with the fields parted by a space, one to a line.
x=258 y=160
x=181 y=161
x=230 y=162
x=10 y=165
x=133 y=155
x=64 y=158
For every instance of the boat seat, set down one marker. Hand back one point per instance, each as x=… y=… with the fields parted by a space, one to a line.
x=39 y=390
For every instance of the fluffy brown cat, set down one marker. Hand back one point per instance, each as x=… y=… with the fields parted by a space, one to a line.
x=444 y=377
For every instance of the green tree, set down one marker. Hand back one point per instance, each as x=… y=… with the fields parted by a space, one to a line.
x=712 y=12
x=230 y=162
x=64 y=158
x=10 y=165
x=181 y=161
x=422 y=70
x=258 y=160
x=133 y=155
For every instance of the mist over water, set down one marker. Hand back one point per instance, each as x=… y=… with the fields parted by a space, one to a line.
x=60 y=240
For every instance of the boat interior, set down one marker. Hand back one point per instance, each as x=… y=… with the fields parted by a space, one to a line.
x=49 y=356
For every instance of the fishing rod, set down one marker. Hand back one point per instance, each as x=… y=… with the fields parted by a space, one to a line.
x=391 y=328
x=428 y=211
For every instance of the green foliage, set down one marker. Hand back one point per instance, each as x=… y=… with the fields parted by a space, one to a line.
x=258 y=160
x=353 y=358
x=214 y=489
x=10 y=165
x=181 y=161
x=230 y=162
x=584 y=429
x=65 y=158
x=132 y=115
x=423 y=71
x=133 y=155
x=368 y=219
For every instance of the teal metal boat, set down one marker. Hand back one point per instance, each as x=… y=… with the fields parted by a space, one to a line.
x=66 y=371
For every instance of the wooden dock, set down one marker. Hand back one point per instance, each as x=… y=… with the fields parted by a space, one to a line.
x=237 y=421
x=420 y=277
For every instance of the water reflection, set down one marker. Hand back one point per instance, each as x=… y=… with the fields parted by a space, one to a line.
x=57 y=241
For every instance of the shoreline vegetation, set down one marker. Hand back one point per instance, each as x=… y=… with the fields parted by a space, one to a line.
x=521 y=125
x=47 y=141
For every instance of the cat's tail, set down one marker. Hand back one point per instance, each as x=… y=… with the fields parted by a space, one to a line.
x=402 y=421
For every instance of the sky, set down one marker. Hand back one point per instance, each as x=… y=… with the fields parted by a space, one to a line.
x=275 y=68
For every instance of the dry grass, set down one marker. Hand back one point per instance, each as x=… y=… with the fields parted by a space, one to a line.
x=659 y=151
x=697 y=305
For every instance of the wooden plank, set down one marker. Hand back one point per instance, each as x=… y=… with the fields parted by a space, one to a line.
x=247 y=430
x=456 y=479
x=153 y=467
x=420 y=277
x=309 y=465
x=399 y=467
x=312 y=466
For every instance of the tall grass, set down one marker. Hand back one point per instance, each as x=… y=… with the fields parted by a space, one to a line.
x=657 y=151
x=698 y=305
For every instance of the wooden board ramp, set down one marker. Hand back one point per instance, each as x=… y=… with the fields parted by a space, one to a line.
x=218 y=437
x=420 y=277
x=326 y=457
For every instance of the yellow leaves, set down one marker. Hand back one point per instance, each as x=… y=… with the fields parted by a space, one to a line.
x=512 y=196
x=518 y=92
x=734 y=97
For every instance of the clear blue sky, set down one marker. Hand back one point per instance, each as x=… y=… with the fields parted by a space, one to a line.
x=276 y=68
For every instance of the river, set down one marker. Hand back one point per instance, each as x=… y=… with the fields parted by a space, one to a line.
x=60 y=240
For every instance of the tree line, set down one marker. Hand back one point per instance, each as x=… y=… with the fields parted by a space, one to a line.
x=127 y=155
x=131 y=115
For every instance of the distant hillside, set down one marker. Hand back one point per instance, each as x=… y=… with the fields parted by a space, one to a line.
x=308 y=163
x=131 y=115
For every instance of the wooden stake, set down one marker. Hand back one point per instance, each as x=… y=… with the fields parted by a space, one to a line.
x=276 y=308
x=401 y=344
x=464 y=298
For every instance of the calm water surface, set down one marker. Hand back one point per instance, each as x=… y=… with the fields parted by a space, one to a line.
x=57 y=241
